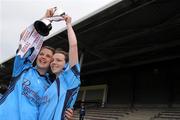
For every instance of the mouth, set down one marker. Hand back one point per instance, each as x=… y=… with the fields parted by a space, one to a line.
x=42 y=61
x=53 y=67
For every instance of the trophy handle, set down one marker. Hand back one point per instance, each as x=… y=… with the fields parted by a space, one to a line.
x=56 y=18
x=54 y=9
x=58 y=13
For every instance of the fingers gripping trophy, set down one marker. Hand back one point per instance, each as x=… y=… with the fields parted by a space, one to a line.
x=43 y=26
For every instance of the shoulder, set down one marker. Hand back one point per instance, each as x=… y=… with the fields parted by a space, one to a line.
x=75 y=69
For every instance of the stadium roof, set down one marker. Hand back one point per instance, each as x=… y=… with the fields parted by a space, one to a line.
x=127 y=34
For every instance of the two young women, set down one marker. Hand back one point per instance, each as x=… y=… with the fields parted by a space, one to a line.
x=30 y=95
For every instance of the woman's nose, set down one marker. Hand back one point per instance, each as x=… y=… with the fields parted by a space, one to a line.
x=43 y=56
x=53 y=62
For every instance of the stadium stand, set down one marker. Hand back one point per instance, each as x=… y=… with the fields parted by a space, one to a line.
x=168 y=114
x=104 y=113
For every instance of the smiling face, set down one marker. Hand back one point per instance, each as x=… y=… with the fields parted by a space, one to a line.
x=58 y=63
x=44 y=58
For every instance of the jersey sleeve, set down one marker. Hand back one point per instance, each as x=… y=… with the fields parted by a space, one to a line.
x=22 y=63
x=72 y=80
x=72 y=76
x=74 y=97
x=29 y=47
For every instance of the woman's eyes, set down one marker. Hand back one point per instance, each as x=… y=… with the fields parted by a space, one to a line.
x=59 y=60
x=41 y=53
x=48 y=56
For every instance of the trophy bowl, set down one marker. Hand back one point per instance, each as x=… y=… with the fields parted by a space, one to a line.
x=43 y=26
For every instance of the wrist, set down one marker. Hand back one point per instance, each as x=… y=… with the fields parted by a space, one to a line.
x=68 y=24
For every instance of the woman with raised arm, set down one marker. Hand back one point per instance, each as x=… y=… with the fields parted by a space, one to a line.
x=63 y=91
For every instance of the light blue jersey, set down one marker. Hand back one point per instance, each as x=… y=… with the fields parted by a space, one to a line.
x=25 y=94
x=62 y=94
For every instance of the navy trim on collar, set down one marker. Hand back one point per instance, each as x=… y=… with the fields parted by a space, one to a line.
x=45 y=76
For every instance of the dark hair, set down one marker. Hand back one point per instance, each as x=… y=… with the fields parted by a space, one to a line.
x=50 y=48
x=59 y=50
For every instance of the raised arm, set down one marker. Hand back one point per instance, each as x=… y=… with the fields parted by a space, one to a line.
x=73 y=48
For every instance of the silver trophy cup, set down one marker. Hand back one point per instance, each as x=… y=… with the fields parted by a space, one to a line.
x=44 y=26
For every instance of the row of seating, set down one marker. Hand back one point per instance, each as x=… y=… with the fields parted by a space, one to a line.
x=105 y=113
x=168 y=114
x=125 y=113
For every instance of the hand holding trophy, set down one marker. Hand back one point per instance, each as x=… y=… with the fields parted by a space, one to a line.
x=43 y=26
